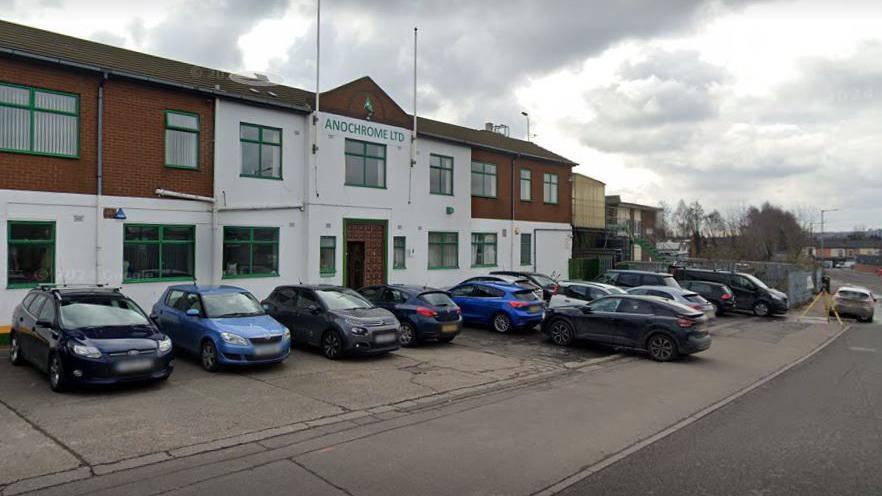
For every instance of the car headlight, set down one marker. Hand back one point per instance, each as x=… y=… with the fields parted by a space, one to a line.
x=85 y=351
x=359 y=331
x=286 y=334
x=165 y=345
x=231 y=338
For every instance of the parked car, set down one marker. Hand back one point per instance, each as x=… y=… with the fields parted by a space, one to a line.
x=665 y=329
x=856 y=302
x=751 y=293
x=581 y=292
x=336 y=319
x=548 y=284
x=501 y=306
x=682 y=296
x=225 y=325
x=521 y=281
x=423 y=313
x=634 y=278
x=719 y=295
x=88 y=335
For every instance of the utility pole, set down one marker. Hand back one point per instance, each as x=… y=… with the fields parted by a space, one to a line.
x=823 y=262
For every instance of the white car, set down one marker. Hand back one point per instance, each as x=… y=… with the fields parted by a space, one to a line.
x=572 y=293
x=683 y=296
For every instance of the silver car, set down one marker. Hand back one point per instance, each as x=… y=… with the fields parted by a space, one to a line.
x=571 y=293
x=855 y=301
x=683 y=296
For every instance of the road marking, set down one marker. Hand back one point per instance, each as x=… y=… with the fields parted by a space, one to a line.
x=861 y=348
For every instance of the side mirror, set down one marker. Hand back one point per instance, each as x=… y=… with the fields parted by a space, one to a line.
x=586 y=309
x=314 y=309
x=44 y=324
x=192 y=312
x=265 y=307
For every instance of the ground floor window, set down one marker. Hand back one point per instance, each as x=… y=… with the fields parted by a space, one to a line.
x=399 y=252
x=328 y=255
x=483 y=249
x=153 y=252
x=251 y=252
x=526 y=249
x=443 y=250
x=30 y=253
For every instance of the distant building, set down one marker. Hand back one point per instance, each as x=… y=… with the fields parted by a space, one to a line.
x=634 y=224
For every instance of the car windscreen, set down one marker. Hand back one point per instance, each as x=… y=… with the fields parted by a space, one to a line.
x=229 y=305
x=437 y=299
x=543 y=281
x=670 y=281
x=342 y=299
x=525 y=295
x=755 y=281
x=101 y=311
x=853 y=295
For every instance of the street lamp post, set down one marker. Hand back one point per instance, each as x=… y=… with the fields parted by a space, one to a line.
x=528 y=124
x=823 y=262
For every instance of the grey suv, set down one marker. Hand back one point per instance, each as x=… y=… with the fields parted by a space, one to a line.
x=635 y=278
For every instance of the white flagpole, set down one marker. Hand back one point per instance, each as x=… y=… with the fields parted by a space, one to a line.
x=413 y=138
x=315 y=116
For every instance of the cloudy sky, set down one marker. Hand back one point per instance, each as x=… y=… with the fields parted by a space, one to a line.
x=728 y=102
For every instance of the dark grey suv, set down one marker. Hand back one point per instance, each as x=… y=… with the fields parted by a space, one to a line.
x=338 y=320
x=634 y=278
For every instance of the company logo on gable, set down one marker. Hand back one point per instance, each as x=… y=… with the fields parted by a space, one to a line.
x=363 y=130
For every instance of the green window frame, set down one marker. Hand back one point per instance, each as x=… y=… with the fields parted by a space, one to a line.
x=484 y=253
x=359 y=155
x=55 y=111
x=142 y=243
x=526 y=185
x=267 y=141
x=399 y=252
x=443 y=250
x=526 y=249
x=440 y=175
x=251 y=241
x=550 y=188
x=178 y=134
x=484 y=180
x=328 y=255
x=25 y=247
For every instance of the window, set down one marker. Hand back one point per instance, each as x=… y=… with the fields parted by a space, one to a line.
x=526 y=185
x=399 y=252
x=394 y=296
x=305 y=300
x=30 y=253
x=605 y=305
x=483 y=180
x=636 y=306
x=549 y=191
x=440 y=175
x=39 y=121
x=526 y=249
x=181 y=139
x=261 y=151
x=443 y=250
x=251 y=252
x=328 y=255
x=173 y=297
x=483 y=250
x=158 y=253
x=629 y=280
x=372 y=294
x=365 y=164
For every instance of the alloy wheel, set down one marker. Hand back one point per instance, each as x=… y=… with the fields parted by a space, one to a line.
x=408 y=335
x=661 y=348
x=14 y=351
x=209 y=356
x=561 y=333
x=56 y=373
x=501 y=323
x=761 y=309
x=331 y=345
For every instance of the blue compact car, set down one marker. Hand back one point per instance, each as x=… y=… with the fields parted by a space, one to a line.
x=424 y=313
x=225 y=325
x=499 y=305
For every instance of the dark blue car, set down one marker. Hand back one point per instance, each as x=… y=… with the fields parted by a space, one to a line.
x=225 y=325
x=88 y=336
x=424 y=313
x=501 y=306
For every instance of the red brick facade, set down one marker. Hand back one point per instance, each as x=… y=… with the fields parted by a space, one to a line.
x=349 y=100
x=41 y=173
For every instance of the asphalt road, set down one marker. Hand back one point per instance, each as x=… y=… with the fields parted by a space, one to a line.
x=815 y=430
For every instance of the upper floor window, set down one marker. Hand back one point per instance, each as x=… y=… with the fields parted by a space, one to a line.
x=261 y=151
x=40 y=122
x=526 y=185
x=440 y=175
x=549 y=191
x=181 y=139
x=483 y=180
x=365 y=164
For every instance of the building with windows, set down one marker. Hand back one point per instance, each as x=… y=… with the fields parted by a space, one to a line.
x=633 y=225
x=130 y=170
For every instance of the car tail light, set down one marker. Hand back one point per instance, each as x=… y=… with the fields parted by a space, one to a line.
x=726 y=296
x=685 y=322
x=426 y=312
x=518 y=304
x=555 y=288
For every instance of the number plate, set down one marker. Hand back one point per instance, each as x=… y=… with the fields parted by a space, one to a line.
x=449 y=328
x=262 y=351
x=385 y=338
x=535 y=308
x=134 y=365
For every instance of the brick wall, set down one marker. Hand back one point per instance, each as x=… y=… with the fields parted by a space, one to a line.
x=134 y=146
x=40 y=173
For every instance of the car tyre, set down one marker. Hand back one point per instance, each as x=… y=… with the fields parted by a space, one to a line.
x=332 y=345
x=761 y=309
x=502 y=323
x=661 y=347
x=408 y=336
x=15 y=357
x=562 y=333
x=57 y=379
x=208 y=356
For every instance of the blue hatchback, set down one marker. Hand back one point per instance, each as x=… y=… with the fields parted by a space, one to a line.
x=424 y=313
x=499 y=305
x=225 y=325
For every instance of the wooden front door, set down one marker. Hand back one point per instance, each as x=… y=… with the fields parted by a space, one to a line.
x=365 y=253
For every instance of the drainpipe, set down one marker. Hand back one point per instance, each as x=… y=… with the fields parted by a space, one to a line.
x=99 y=186
x=511 y=230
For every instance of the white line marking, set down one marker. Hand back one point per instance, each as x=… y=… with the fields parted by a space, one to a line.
x=861 y=348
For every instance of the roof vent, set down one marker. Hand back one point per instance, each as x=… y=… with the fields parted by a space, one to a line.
x=497 y=128
x=488 y=126
x=254 y=90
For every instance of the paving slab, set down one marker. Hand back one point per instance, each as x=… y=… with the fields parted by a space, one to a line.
x=27 y=452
